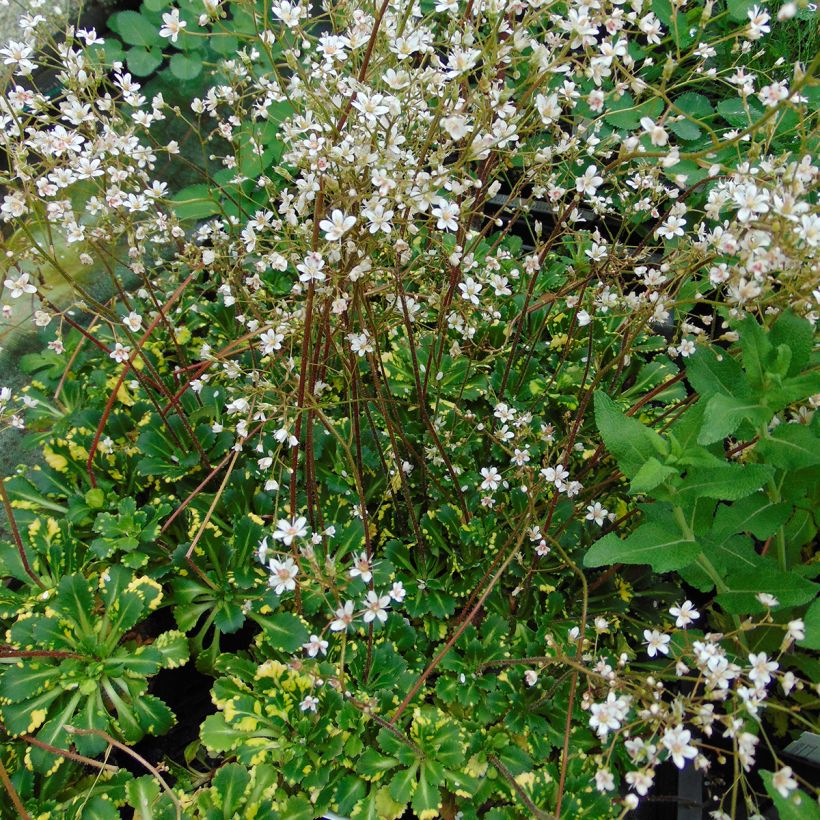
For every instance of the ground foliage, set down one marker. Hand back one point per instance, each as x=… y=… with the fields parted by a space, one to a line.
x=460 y=427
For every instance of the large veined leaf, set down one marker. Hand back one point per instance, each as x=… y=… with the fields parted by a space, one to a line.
x=631 y=442
x=664 y=549
x=728 y=481
x=743 y=588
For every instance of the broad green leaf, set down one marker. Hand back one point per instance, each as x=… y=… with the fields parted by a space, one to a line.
x=743 y=588
x=728 y=481
x=798 y=335
x=403 y=784
x=625 y=114
x=195 y=202
x=710 y=373
x=791 y=447
x=724 y=414
x=796 y=806
x=650 y=475
x=350 y=791
x=186 y=67
x=231 y=781
x=756 y=514
x=219 y=736
x=284 y=630
x=735 y=112
x=626 y=438
x=695 y=105
x=142 y=793
x=731 y=553
x=143 y=61
x=135 y=29
x=812 y=621
x=738 y=9
x=427 y=797
x=663 y=548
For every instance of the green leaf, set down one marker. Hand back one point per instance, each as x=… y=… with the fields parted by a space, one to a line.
x=231 y=781
x=756 y=514
x=142 y=61
x=798 y=335
x=626 y=438
x=738 y=9
x=790 y=447
x=195 y=202
x=350 y=791
x=219 y=736
x=623 y=112
x=735 y=113
x=743 y=587
x=728 y=481
x=427 y=797
x=403 y=784
x=650 y=475
x=135 y=29
x=797 y=806
x=186 y=67
x=709 y=373
x=685 y=129
x=724 y=414
x=284 y=631
x=812 y=621
x=142 y=793
x=695 y=106
x=664 y=549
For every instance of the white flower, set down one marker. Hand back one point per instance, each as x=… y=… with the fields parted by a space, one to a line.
x=604 y=781
x=447 y=215
x=657 y=133
x=398 y=592
x=677 y=744
x=172 y=25
x=656 y=642
x=309 y=704
x=379 y=219
x=376 y=607
x=286 y=530
x=20 y=285
x=783 y=781
x=133 y=321
x=684 y=614
x=672 y=227
x=283 y=575
x=761 y=668
x=361 y=568
x=315 y=645
x=531 y=677
x=271 y=341
x=344 y=617
x=491 y=477
x=337 y=226
x=597 y=513
x=120 y=353
x=470 y=289
x=310 y=268
x=796 y=630
x=641 y=781
x=767 y=600
x=360 y=343
x=589 y=181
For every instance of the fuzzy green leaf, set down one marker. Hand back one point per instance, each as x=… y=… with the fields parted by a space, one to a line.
x=664 y=549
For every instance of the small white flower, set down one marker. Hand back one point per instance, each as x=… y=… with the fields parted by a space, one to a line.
x=677 y=743
x=375 y=607
x=337 y=226
x=656 y=642
x=315 y=645
x=172 y=25
x=309 y=704
x=344 y=617
x=604 y=780
x=120 y=353
x=20 y=285
x=597 y=513
x=684 y=614
x=767 y=600
x=283 y=575
x=531 y=677
x=362 y=568
x=783 y=781
x=133 y=321
x=287 y=531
